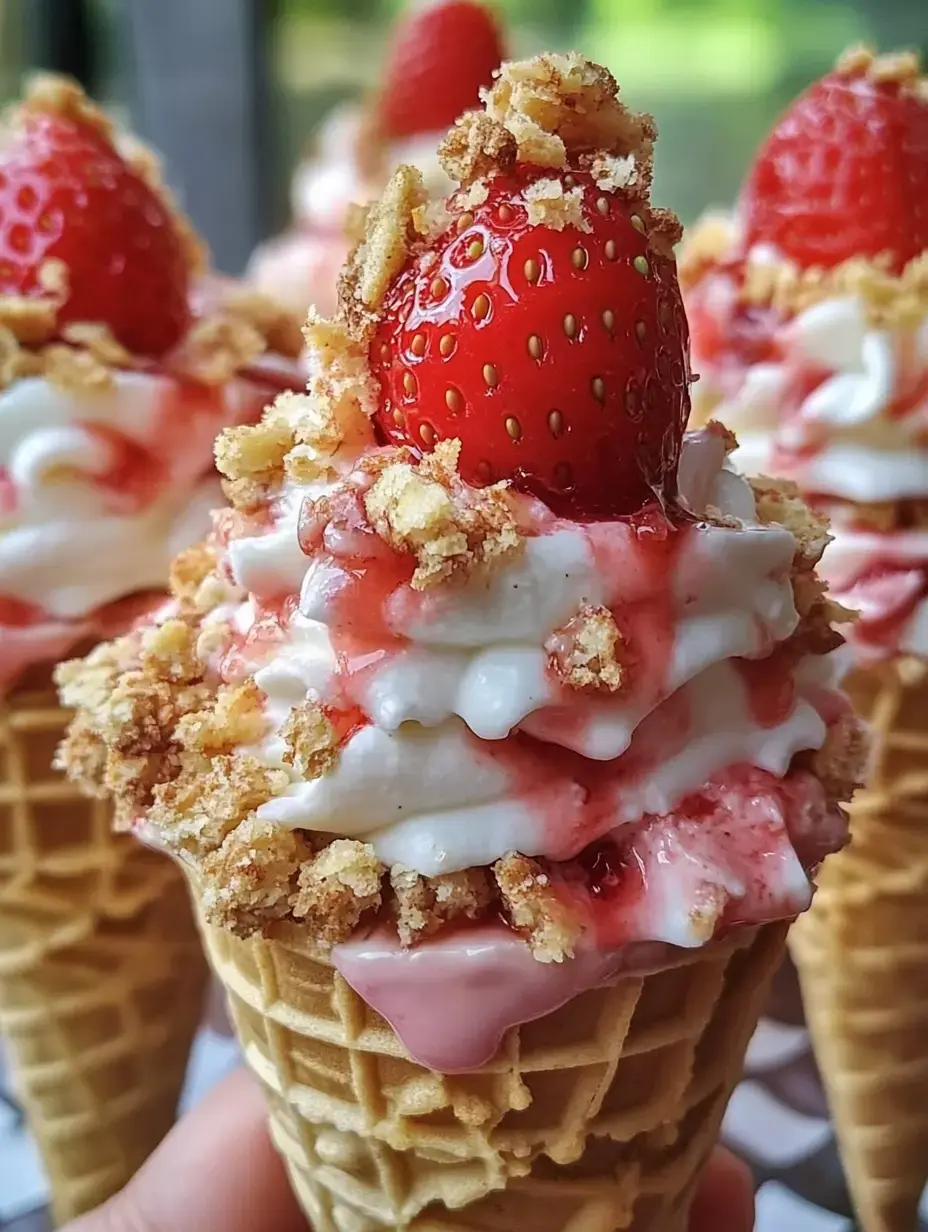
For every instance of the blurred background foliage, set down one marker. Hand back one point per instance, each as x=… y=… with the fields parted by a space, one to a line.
x=714 y=72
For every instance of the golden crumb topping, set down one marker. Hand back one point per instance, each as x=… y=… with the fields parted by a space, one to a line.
x=424 y=509
x=585 y=654
x=558 y=106
x=901 y=68
x=549 y=204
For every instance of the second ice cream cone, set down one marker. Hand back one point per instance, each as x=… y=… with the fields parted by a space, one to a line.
x=101 y=972
x=862 y=954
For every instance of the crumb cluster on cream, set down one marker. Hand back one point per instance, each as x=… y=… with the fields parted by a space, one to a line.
x=465 y=745
x=100 y=488
x=838 y=404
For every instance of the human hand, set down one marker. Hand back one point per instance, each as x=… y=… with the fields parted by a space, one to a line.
x=218 y=1172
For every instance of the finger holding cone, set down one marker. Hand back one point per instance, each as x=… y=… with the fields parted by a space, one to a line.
x=495 y=890
x=112 y=389
x=810 y=326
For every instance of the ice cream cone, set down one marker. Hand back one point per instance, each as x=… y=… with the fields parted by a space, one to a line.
x=595 y=1118
x=862 y=955
x=101 y=973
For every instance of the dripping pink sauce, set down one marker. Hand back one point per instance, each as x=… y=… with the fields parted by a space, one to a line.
x=175 y=455
x=451 y=1000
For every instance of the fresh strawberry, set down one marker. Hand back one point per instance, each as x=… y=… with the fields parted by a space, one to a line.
x=66 y=194
x=441 y=57
x=559 y=358
x=844 y=174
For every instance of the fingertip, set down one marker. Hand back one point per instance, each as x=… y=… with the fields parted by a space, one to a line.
x=725 y=1197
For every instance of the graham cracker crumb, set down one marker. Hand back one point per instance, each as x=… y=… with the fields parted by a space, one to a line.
x=75 y=371
x=450 y=528
x=236 y=719
x=252 y=459
x=550 y=204
x=561 y=106
x=902 y=68
x=389 y=234
x=476 y=147
x=249 y=880
x=168 y=650
x=336 y=887
x=585 y=653
x=189 y=570
x=779 y=501
x=425 y=904
x=98 y=341
x=209 y=798
x=535 y=908
x=708 y=244
x=614 y=173
x=311 y=741
x=841 y=763
x=889 y=300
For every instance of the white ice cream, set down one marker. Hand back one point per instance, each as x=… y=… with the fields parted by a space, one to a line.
x=437 y=780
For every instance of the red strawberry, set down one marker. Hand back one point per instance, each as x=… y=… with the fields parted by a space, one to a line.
x=844 y=174
x=441 y=57
x=559 y=359
x=65 y=193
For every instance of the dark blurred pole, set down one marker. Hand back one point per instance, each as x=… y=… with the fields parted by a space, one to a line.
x=201 y=100
x=59 y=37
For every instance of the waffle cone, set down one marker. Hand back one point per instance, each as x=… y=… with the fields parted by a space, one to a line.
x=101 y=971
x=597 y=1117
x=862 y=956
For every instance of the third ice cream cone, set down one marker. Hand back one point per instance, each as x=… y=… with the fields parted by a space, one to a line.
x=810 y=328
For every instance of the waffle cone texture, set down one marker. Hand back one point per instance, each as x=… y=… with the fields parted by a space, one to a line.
x=101 y=971
x=862 y=956
x=597 y=1117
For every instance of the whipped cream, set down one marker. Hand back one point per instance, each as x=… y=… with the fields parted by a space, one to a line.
x=301 y=266
x=99 y=491
x=470 y=746
x=840 y=407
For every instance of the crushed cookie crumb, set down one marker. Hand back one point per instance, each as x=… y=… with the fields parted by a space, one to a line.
x=560 y=106
x=252 y=459
x=450 y=528
x=709 y=243
x=889 y=300
x=189 y=570
x=842 y=761
x=779 y=501
x=585 y=654
x=614 y=173
x=169 y=650
x=248 y=881
x=535 y=908
x=336 y=887
x=311 y=742
x=237 y=718
x=902 y=68
x=389 y=234
x=549 y=204
x=426 y=904
x=476 y=146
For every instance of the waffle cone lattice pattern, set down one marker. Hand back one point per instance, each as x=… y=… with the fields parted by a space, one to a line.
x=101 y=971
x=595 y=1118
x=862 y=956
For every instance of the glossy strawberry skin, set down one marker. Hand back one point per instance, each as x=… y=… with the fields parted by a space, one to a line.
x=844 y=174
x=559 y=359
x=443 y=54
x=66 y=194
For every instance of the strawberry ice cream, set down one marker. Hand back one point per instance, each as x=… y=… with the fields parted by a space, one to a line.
x=112 y=386
x=809 y=311
x=440 y=56
x=492 y=682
